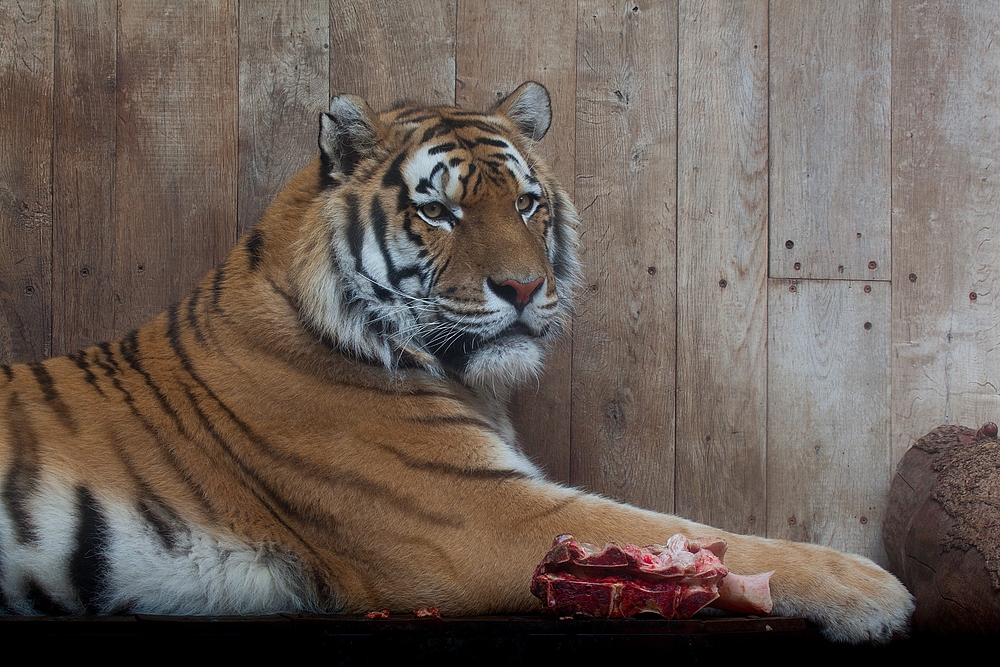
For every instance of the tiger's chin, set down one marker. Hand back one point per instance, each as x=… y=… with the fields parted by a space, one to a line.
x=505 y=362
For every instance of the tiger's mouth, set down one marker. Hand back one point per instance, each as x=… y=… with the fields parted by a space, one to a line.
x=456 y=350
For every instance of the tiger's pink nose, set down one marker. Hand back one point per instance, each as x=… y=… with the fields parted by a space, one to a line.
x=516 y=293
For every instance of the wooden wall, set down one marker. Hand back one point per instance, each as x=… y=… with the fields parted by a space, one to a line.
x=789 y=211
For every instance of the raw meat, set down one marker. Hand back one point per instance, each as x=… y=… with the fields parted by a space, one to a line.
x=427 y=612
x=674 y=581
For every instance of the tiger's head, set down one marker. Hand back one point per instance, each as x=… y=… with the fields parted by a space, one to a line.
x=445 y=242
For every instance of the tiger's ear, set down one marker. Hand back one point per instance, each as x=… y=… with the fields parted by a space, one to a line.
x=529 y=108
x=346 y=135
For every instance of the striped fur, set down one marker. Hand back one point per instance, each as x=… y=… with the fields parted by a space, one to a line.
x=320 y=424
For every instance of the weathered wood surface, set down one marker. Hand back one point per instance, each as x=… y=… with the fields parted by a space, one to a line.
x=83 y=174
x=945 y=230
x=828 y=465
x=284 y=84
x=26 y=62
x=387 y=51
x=138 y=139
x=498 y=49
x=830 y=163
x=175 y=172
x=722 y=264
x=623 y=366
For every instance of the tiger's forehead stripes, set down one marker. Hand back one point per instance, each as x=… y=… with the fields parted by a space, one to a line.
x=453 y=169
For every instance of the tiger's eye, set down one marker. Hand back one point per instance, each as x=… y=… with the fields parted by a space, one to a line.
x=433 y=210
x=524 y=203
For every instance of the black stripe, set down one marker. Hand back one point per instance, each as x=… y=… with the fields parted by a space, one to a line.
x=8 y=372
x=255 y=247
x=456 y=420
x=439 y=271
x=192 y=317
x=560 y=267
x=393 y=178
x=414 y=110
x=81 y=361
x=464 y=180
x=355 y=232
x=89 y=566
x=415 y=238
x=131 y=357
x=477 y=122
x=107 y=364
x=220 y=275
x=381 y=229
x=46 y=384
x=489 y=141
x=355 y=241
x=163 y=520
x=448 y=469
x=435 y=131
x=42 y=603
x=21 y=480
x=442 y=148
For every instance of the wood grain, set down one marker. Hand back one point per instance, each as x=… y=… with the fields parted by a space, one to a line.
x=26 y=55
x=945 y=233
x=722 y=264
x=387 y=51
x=175 y=186
x=495 y=54
x=284 y=85
x=623 y=347
x=828 y=466
x=830 y=157
x=83 y=173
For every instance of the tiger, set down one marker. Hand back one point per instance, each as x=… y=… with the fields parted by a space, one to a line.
x=321 y=425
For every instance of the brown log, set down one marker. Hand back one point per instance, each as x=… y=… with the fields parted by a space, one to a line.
x=924 y=541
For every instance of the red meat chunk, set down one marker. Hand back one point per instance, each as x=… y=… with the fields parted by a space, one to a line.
x=674 y=581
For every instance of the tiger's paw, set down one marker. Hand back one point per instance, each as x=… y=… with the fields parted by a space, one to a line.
x=852 y=599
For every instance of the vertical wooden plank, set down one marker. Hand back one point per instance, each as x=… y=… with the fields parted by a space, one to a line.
x=722 y=264
x=284 y=84
x=945 y=235
x=83 y=173
x=26 y=53
x=387 y=51
x=830 y=144
x=498 y=49
x=828 y=413
x=623 y=348
x=175 y=192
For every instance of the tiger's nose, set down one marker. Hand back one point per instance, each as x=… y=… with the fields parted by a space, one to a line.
x=516 y=293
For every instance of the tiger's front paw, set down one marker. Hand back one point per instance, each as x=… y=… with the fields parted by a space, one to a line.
x=851 y=598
